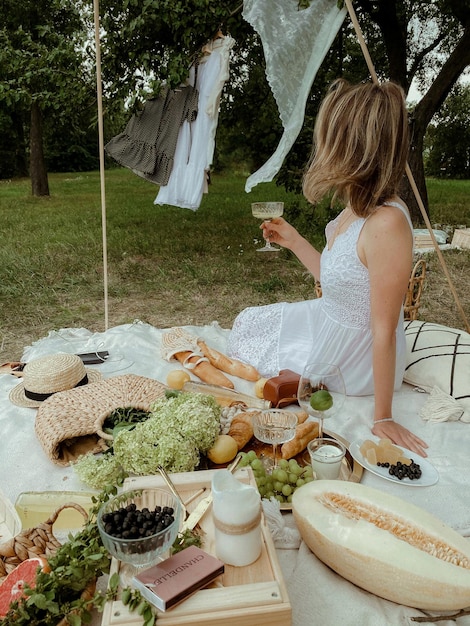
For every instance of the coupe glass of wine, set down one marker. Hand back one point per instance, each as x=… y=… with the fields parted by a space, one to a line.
x=321 y=391
x=266 y=211
x=274 y=426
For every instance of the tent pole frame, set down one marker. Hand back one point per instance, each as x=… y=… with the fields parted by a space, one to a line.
x=99 y=90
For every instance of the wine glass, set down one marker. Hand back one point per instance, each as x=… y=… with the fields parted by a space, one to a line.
x=321 y=391
x=274 y=426
x=266 y=211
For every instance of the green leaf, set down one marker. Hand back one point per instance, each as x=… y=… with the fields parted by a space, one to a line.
x=39 y=600
x=113 y=582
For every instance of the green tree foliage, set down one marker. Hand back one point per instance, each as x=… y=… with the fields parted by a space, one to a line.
x=146 y=42
x=408 y=40
x=249 y=125
x=447 y=153
x=47 y=72
x=44 y=78
x=12 y=145
x=428 y=42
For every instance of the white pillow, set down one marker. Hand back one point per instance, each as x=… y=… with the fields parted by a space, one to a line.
x=438 y=356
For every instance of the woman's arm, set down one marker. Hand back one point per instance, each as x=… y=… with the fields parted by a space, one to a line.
x=385 y=247
x=281 y=232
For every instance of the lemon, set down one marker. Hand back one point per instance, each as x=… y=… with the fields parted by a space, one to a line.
x=321 y=400
x=224 y=449
x=176 y=379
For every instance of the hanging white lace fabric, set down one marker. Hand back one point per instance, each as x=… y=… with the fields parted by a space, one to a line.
x=295 y=43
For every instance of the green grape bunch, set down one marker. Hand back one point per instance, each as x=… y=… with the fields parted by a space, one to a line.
x=284 y=480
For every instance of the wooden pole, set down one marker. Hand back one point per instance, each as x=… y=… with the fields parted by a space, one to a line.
x=99 y=91
x=409 y=173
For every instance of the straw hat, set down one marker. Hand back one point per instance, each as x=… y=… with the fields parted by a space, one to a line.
x=47 y=375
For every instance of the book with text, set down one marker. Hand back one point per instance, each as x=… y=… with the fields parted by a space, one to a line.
x=177 y=577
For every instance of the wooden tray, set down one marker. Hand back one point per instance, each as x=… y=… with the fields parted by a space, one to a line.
x=254 y=594
x=351 y=470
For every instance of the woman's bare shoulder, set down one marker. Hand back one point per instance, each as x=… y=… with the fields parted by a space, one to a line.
x=388 y=228
x=393 y=212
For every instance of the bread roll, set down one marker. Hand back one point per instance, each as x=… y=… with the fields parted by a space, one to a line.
x=241 y=428
x=302 y=416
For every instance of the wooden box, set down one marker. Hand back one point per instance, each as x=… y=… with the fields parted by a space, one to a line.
x=461 y=238
x=254 y=594
x=423 y=241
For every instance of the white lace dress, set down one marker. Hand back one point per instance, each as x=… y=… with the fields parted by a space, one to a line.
x=333 y=329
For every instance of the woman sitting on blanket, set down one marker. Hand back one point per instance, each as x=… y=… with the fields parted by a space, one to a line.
x=361 y=147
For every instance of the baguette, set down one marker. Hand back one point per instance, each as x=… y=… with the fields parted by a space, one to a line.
x=228 y=365
x=241 y=428
x=302 y=416
x=203 y=369
x=303 y=434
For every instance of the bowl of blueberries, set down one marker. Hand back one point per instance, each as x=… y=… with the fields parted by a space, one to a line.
x=138 y=527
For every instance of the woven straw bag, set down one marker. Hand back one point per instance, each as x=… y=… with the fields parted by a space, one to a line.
x=33 y=542
x=69 y=423
x=39 y=542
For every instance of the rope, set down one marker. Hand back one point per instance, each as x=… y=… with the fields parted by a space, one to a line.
x=409 y=174
x=436 y=246
x=238 y=529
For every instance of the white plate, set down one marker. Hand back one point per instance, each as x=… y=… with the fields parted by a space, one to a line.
x=429 y=474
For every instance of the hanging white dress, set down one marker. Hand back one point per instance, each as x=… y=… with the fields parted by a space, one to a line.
x=332 y=329
x=196 y=140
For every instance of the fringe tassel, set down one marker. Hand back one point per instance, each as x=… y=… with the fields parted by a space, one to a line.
x=284 y=537
x=441 y=407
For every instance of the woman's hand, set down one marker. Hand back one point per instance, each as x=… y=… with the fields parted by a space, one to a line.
x=281 y=232
x=400 y=436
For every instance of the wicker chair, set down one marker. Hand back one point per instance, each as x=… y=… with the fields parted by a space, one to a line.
x=415 y=289
x=413 y=295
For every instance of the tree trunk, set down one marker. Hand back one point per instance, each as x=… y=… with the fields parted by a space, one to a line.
x=38 y=171
x=450 y=72
x=416 y=163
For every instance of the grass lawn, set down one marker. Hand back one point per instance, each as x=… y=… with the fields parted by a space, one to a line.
x=165 y=265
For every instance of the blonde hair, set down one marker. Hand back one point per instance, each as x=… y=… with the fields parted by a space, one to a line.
x=361 y=144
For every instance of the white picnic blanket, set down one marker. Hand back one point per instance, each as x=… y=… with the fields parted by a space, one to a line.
x=313 y=588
